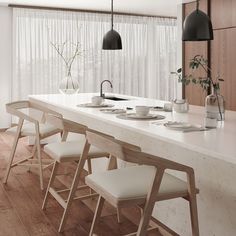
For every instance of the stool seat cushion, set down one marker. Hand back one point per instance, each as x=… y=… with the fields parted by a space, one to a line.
x=28 y=129
x=133 y=183
x=70 y=150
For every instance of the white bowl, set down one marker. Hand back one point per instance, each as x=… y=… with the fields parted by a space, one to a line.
x=97 y=100
x=142 y=110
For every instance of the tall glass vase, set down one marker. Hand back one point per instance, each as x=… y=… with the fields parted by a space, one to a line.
x=69 y=85
x=215 y=105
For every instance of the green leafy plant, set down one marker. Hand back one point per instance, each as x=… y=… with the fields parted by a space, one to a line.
x=206 y=81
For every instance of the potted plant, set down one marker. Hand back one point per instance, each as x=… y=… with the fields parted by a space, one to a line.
x=214 y=102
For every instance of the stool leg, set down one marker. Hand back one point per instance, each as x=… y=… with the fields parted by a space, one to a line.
x=97 y=215
x=150 y=202
x=193 y=204
x=33 y=154
x=13 y=150
x=74 y=185
x=52 y=178
x=40 y=161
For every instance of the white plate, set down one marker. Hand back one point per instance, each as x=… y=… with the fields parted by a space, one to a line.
x=149 y=116
x=91 y=105
x=112 y=110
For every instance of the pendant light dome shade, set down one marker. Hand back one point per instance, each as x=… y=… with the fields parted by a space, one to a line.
x=112 y=41
x=197 y=27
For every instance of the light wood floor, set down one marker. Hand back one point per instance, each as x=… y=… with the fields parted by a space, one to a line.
x=21 y=200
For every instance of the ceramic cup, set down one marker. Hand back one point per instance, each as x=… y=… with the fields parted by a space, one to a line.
x=167 y=106
x=97 y=100
x=142 y=110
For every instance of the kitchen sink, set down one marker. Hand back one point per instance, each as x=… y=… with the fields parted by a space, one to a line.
x=116 y=98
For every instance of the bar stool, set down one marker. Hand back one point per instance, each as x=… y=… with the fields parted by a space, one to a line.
x=65 y=152
x=141 y=185
x=35 y=127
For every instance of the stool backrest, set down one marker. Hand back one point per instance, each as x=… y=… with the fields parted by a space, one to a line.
x=67 y=126
x=131 y=153
x=16 y=109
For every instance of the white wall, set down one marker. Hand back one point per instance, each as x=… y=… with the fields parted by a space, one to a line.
x=5 y=63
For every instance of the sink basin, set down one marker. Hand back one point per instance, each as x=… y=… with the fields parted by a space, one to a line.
x=116 y=98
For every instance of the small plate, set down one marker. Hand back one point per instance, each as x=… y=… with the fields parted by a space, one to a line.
x=149 y=116
x=113 y=110
x=91 y=105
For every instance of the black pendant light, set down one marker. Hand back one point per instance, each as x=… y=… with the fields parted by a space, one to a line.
x=112 y=39
x=197 y=26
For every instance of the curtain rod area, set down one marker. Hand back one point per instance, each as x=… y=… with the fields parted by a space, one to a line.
x=83 y=10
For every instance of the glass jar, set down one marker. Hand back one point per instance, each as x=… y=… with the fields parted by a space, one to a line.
x=215 y=105
x=69 y=85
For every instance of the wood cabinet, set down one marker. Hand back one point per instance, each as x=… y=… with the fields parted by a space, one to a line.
x=194 y=93
x=223 y=13
x=223 y=62
x=221 y=52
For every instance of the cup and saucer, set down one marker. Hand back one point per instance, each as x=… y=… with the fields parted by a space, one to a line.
x=96 y=102
x=143 y=112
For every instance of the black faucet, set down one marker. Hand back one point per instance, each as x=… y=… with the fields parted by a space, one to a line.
x=106 y=80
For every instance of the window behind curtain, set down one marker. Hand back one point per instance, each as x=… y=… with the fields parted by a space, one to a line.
x=141 y=68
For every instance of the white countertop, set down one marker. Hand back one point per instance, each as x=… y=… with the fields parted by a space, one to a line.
x=217 y=143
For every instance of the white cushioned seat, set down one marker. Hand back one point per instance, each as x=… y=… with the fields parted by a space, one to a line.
x=70 y=151
x=134 y=182
x=28 y=129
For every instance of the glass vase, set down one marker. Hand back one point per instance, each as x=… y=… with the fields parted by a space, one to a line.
x=69 y=85
x=215 y=105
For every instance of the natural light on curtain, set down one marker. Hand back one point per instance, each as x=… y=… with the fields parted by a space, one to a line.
x=142 y=68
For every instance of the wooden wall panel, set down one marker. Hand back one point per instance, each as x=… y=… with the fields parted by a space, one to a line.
x=194 y=93
x=223 y=61
x=223 y=13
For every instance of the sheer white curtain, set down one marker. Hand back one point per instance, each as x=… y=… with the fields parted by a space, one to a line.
x=141 y=68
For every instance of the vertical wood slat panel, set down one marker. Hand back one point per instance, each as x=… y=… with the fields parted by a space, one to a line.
x=194 y=93
x=223 y=13
x=223 y=50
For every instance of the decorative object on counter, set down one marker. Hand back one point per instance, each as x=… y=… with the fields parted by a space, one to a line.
x=112 y=39
x=197 y=26
x=69 y=85
x=97 y=100
x=210 y=122
x=215 y=103
x=180 y=105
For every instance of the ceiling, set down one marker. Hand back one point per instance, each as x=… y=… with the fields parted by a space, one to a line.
x=146 y=7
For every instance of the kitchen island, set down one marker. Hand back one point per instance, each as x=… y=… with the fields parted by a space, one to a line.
x=211 y=153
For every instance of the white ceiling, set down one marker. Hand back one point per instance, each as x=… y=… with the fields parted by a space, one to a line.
x=147 y=7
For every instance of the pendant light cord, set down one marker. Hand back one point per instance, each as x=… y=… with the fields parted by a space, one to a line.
x=197 y=5
x=111 y=14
